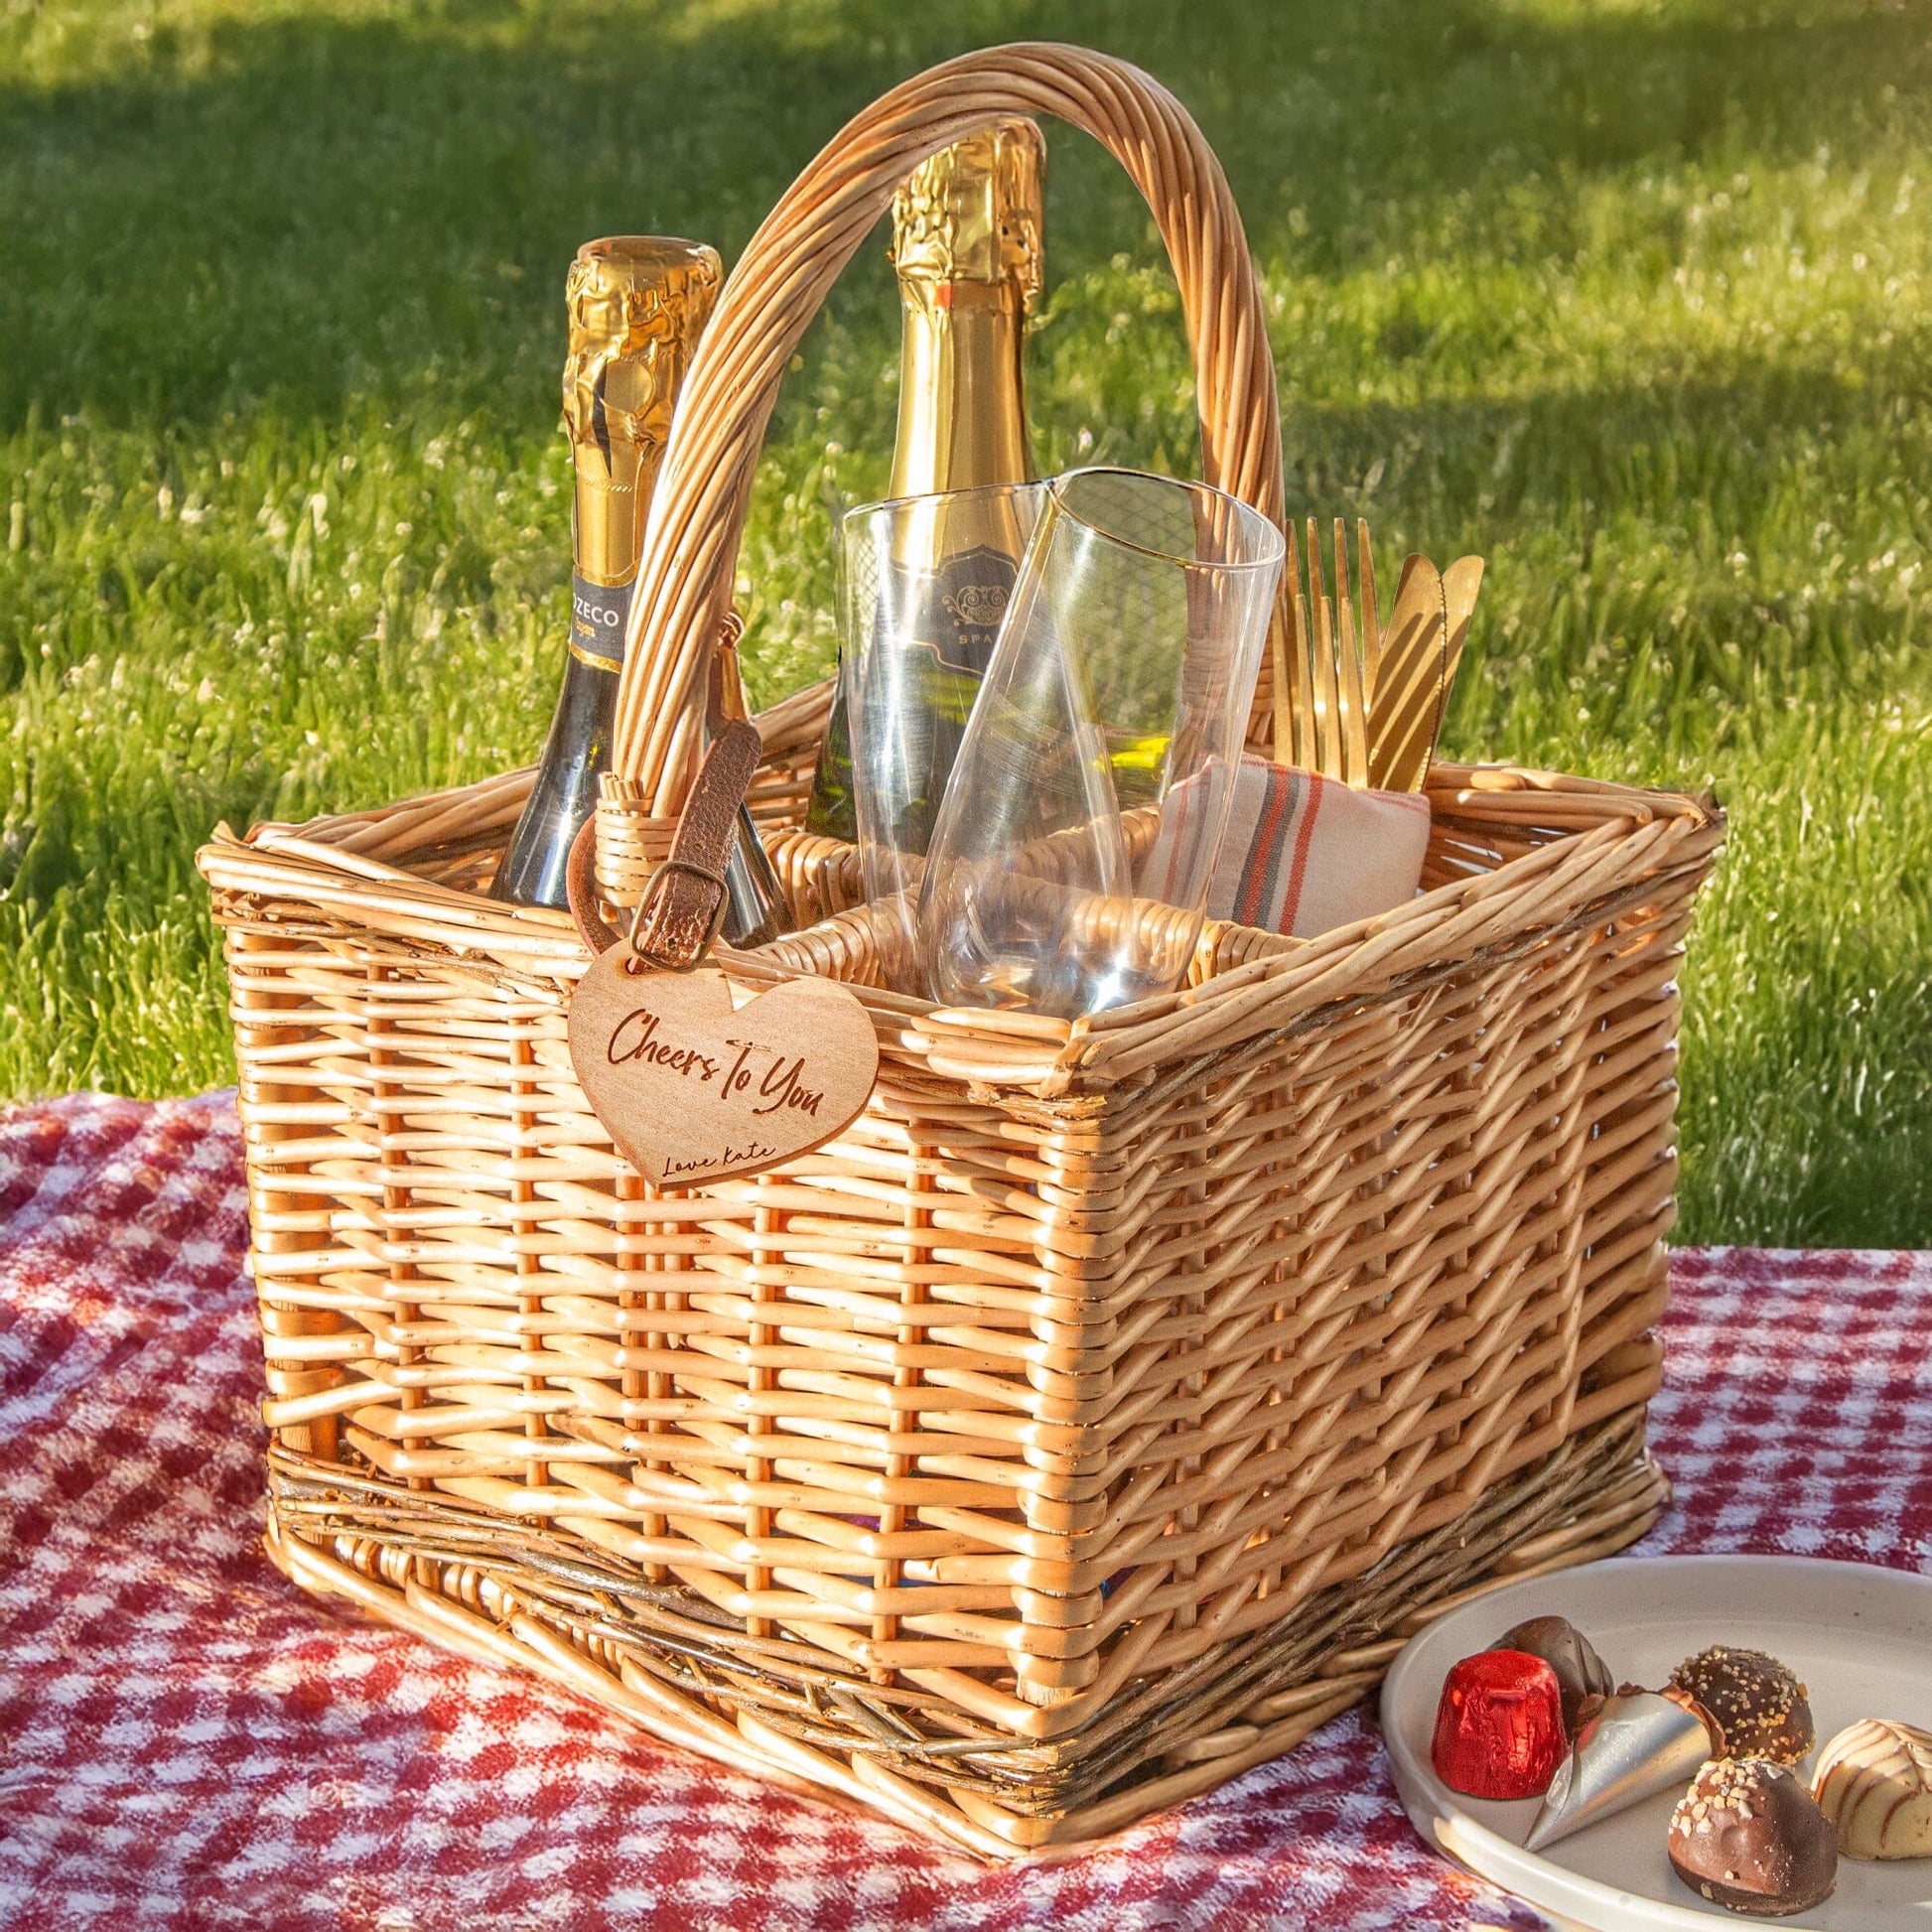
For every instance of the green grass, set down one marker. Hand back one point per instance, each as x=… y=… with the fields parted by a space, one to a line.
x=1632 y=299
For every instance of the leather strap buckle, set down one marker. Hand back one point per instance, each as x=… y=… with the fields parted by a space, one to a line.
x=653 y=903
x=672 y=929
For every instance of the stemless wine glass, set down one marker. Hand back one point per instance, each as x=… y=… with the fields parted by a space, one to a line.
x=924 y=584
x=1068 y=871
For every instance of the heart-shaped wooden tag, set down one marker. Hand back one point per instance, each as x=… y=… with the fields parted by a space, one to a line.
x=693 y=1089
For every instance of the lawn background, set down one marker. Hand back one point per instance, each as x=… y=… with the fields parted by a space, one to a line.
x=1629 y=298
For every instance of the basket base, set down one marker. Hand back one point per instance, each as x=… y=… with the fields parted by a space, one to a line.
x=500 y=1592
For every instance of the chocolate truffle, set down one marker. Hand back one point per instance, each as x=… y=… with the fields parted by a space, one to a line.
x=1746 y=1836
x=1581 y=1673
x=1758 y=1704
x=1873 y=1783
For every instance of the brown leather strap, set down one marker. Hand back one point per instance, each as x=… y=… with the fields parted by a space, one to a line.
x=684 y=904
x=580 y=888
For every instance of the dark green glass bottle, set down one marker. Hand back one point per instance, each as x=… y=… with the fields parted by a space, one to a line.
x=638 y=304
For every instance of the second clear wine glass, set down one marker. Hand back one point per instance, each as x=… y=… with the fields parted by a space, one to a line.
x=1070 y=867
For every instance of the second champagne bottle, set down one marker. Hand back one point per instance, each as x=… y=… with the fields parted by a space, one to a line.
x=967 y=246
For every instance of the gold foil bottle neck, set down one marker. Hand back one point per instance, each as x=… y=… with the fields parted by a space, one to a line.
x=636 y=304
x=973 y=212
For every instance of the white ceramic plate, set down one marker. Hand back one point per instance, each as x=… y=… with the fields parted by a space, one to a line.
x=1860 y=1637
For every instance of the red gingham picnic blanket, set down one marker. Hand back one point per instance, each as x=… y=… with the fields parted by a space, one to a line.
x=186 y=1741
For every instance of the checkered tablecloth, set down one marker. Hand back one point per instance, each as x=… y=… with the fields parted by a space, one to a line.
x=186 y=1742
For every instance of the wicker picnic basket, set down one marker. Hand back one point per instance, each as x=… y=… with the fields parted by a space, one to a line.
x=1091 y=1419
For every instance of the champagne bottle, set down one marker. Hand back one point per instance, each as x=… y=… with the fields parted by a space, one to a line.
x=637 y=305
x=966 y=242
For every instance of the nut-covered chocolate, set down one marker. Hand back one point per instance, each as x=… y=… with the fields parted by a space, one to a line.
x=1581 y=1673
x=1760 y=1706
x=1747 y=1835
x=1873 y=1783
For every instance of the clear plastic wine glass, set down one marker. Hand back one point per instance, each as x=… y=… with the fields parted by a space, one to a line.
x=1069 y=868
x=924 y=585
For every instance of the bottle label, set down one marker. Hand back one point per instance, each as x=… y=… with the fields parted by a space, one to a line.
x=598 y=615
x=963 y=601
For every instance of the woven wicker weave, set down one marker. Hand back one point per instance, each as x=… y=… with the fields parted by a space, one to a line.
x=1087 y=1422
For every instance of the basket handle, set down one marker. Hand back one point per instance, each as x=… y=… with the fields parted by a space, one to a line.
x=697 y=517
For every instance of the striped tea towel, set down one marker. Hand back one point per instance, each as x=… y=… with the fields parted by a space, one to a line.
x=1301 y=854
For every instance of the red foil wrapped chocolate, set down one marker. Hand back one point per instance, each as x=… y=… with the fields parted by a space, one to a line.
x=1499 y=1726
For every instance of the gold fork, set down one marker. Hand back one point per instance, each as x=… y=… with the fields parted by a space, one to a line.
x=1363 y=703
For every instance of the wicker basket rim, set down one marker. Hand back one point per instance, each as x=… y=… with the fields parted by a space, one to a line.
x=1623 y=839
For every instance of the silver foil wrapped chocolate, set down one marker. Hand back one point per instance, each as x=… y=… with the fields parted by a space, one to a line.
x=1637 y=1744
